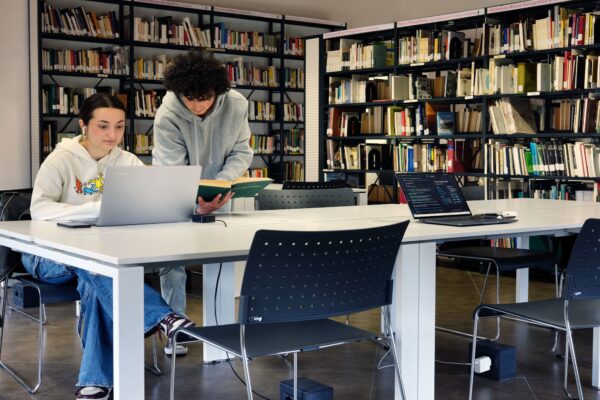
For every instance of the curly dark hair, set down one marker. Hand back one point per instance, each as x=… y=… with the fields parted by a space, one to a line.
x=196 y=75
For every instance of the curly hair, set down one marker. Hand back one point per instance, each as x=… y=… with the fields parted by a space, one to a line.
x=196 y=75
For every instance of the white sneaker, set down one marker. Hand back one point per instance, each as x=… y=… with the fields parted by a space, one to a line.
x=180 y=350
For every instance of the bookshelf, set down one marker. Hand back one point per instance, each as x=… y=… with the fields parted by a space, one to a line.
x=124 y=46
x=501 y=96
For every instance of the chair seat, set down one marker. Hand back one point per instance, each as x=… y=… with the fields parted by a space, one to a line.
x=266 y=339
x=52 y=293
x=583 y=314
x=506 y=259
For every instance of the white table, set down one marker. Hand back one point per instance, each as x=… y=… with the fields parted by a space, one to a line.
x=123 y=252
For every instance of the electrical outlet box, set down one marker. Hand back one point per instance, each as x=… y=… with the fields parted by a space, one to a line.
x=307 y=390
x=504 y=364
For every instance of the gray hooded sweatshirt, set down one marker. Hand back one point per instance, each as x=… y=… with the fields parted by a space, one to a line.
x=219 y=142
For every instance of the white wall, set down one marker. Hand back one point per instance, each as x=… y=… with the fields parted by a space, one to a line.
x=355 y=12
x=14 y=96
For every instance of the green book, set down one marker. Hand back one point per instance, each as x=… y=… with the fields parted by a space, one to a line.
x=529 y=162
x=208 y=189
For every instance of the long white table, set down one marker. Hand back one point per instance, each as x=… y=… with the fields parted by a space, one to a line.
x=123 y=252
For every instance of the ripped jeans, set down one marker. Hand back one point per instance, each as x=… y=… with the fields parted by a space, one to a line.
x=95 y=320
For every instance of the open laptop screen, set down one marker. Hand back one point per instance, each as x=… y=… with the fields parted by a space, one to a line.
x=433 y=195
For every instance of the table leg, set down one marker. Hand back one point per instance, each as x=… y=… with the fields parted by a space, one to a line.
x=596 y=359
x=522 y=286
x=225 y=304
x=128 y=333
x=413 y=318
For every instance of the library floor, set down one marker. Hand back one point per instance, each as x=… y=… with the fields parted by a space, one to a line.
x=350 y=369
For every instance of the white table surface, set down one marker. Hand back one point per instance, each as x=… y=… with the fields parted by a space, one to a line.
x=123 y=252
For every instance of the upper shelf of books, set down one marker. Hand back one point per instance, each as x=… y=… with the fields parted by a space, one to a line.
x=532 y=29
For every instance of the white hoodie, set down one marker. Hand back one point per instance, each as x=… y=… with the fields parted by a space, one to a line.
x=69 y=183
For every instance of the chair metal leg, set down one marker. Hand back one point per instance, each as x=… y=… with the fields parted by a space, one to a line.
x=245 y=362
x=154 y=367
x=392 y=341
x=295 y=375
x=569 y=335
x=497 y=302
x=566 y=371
x=173 y=360
x=40 y=321
x=473 y=352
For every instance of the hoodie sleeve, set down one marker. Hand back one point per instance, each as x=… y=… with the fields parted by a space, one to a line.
x=169 y=145
x=240 y=157
x=46 y=194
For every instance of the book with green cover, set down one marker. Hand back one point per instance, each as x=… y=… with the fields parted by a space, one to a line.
x=208 y=189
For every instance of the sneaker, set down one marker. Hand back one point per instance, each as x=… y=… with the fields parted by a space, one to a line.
x=92 y=393
x=172 y=323
x=180 y=350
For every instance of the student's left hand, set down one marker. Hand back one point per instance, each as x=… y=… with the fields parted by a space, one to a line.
x=206 y=207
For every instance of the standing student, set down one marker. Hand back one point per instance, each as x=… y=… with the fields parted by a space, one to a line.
x=200 y=122
x=69 y=186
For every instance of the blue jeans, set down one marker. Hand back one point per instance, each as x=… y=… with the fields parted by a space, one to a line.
x=95 y=319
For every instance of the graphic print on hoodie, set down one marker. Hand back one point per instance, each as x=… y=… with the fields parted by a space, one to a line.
x=70 y=182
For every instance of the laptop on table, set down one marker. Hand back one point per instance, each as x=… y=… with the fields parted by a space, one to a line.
x=436 y=198
x=145 y=195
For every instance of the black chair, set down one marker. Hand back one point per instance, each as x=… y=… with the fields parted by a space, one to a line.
x=501 y=259
x=15 y=206
x=295 y=281
x=313 y=185
x=273 y=199
x=578 y=308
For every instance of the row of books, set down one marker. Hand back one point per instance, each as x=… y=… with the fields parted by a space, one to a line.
x=459 y=155
x=147 y=102
x=293 y=46
x=293 y=171
x=577 y=159
x=351 y=54
x=418 y=120
x=257 y=173
x=58 y=99
x=361 y=89
x=153 y=69
x=262 y=110
x=165 y=30
x=78 y=22
x=143 y=143
x=245 y=73
x=244 y=41
x=562 y=27
x=293 y=141
x=293 y=112
x=575 y=115
x=96 y=61
x=262 y=144
x=427 y=46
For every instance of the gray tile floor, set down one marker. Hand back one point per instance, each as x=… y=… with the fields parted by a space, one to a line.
x=351 y=369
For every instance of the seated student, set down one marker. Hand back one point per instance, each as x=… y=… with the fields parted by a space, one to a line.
x=69 y=187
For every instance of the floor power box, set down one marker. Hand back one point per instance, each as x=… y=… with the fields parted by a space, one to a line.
x=307 y=390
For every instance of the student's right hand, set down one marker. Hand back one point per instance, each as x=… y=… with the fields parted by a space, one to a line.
x=206 y=207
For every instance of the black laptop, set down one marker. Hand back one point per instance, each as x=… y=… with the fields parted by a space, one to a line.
x=436 y=198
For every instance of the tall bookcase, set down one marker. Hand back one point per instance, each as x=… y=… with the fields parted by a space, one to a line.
x=136 y=39
x=475 y=93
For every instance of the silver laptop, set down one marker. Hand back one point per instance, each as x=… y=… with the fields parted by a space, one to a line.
x=148 y=195
x=436 y=198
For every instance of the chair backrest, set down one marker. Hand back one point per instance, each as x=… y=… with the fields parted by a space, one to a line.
x=13 y=206
x=273 y=199
x=313 y=185
x=583 y=269
x=296 y=275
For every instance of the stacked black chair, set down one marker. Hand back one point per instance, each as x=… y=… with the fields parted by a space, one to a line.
x=273 y=199
x=295 y=282
x=577 y=308
x=298 y=185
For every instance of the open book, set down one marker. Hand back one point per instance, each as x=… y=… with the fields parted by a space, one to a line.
x=242 y=187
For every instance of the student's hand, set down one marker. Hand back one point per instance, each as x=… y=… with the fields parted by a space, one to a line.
x=206 y=207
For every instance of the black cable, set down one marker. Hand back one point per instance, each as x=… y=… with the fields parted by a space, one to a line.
x=220 y=220
x=227 y=359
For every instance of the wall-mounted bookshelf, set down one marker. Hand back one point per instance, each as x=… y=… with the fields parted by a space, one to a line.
x=504 y=96
x=123 y=47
